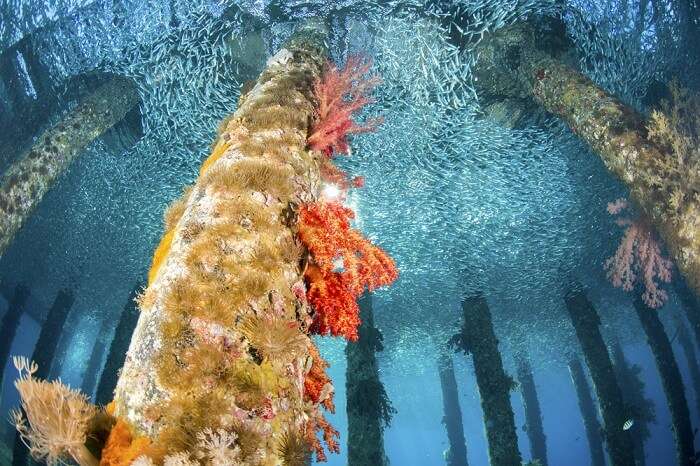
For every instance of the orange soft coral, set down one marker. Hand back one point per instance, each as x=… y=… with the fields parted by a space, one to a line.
x=317 y=384
x=345 y=265
x=341 y=94
x=122 y=448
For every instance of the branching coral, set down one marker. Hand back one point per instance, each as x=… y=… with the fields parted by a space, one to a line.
x=340 y=94
x=58 y=418
x=639 y=253
x=324 y=228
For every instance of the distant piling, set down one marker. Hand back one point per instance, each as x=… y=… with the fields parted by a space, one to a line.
x=686 y=342
x=118 y=348
x=588 y=412
x=533 y=413
x=641 y=410
x=586 y=324
x=452 y=417
x=94 y=363
x=44 y=353
x=368 y=406
x=670 y=379
x=691 y=307
x=477 y=337
x=9 y=324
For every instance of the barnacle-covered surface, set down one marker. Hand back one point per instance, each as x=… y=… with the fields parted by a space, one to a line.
x=461 y=202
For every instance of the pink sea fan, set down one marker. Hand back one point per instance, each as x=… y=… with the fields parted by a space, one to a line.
x=638 y=256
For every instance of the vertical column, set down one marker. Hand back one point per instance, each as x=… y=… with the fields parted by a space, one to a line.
x=533 y=414
x=452 y=417
x=10 y=322
x=478 y=338
x=368 y=407
x=586 y=323
x=671 y=381
x=588 y=412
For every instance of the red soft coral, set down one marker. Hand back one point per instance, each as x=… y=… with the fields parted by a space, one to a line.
x=346 y=264
x=316 y=380
x=341 y=94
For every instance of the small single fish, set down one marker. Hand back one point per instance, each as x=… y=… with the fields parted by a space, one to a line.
x=628 y=424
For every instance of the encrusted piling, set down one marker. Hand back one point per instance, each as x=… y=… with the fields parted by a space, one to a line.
x=671 y=381
x=588 y=412
x=26 y=182
x=477 y=337
x=513 y=64
x=452 y=413
x=118 y=348
x=640 y=409
x=586 y=324
x=368 y=407
x=221 y=341
x=533 y=413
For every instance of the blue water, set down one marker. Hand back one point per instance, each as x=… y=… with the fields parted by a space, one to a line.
x=461 y=201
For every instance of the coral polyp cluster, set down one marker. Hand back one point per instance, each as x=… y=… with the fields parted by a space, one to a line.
x=345 y=264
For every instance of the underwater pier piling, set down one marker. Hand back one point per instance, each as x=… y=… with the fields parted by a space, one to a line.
x=588 y=412
x=118 y=348
x=44 y=353
x=513 y=64
x=691 y=307
x=477 y=337
x=533 y=413
x=368 y=407
x=452 y=417
x=94 y=363
x=28 y=179
x=587 y=326
x=10 y=322
x=670 y=380
x=224 y=274
x=686 y=343
x=51 y=330
x=641 y=410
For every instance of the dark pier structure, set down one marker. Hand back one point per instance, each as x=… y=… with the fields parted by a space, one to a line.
x=477 y=337
x=533 y=413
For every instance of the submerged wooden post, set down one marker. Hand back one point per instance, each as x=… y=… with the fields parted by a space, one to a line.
x=452 y=413
x=26 y=182
x=221 y=341
x=686 y=342
x=533 y=414
x=671 y=381
x=43 y=355
x=691 y=306
x=118 y=348
x=641 y=410
x=368 y=406
x=94 y=363
x=586 y=324
x=9 y=324
x=588 y=412
x=510 y=64
x=477 y=337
